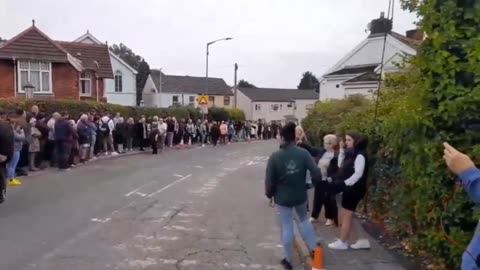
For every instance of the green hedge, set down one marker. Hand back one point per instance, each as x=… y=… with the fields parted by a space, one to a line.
x=75 y=108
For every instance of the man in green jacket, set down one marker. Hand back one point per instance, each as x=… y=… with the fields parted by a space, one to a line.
x=285 y=182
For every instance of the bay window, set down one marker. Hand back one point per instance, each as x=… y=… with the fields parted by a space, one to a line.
x=39 y=74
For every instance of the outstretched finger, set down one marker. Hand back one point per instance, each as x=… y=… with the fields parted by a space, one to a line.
x=450 y=149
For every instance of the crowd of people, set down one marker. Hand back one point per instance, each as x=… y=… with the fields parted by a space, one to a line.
x=37 y=141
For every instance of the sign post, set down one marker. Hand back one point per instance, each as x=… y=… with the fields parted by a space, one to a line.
x=203 y=104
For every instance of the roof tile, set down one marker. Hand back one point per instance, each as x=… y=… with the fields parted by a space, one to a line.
x=89 y=54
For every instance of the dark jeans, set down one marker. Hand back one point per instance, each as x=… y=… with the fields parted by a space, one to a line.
x=223 y=139
x=214 y=141
x=326 y=199
x=154 y=147
x=63 y=150
x=49 y=153
x=3 y=177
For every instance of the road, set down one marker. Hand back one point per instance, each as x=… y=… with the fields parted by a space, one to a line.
x=201 y=208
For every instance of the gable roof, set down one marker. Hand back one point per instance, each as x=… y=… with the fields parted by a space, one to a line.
x=35 y=45
x=92 y=56
x=368 y=52
x=277 y=94
x=190 y=84
x=88 y=38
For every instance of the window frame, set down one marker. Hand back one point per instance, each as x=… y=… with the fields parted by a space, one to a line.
x=258 y=107
x=191 y=101
x=118 y=81
x=226 y=101
x=173 y=100
x=41 y=71
x=88 y=77
x=274 y=107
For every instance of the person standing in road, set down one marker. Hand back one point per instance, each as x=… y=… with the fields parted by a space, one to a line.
x=18 y=141
x=189 y=132
x=162 y=134
x=6 y=153
x=285 y=183
x=107 y=127
x=274 y=129
x=84 y=133
x=214 y=133
x=92 y=128
x=130 y=132
x=64 y=134
x=203 y=132
x=223 y=133
x=170 y=131
x=329 y=166
x=34 y=145
x=142 y=132
x=353 y=173
x=120 y=135
x=231 y=131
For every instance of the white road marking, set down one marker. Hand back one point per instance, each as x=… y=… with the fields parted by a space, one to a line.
x=169 y=185
x=178 y=175
x=198 y=167
x=181 y=228
x=138 y=189
x=142 y=263
x=189 y=215
x=100 y=220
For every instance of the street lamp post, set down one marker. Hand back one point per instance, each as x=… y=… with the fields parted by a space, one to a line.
x=208 y=52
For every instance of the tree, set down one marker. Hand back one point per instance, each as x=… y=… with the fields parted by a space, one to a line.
x=135 y=61
x=244 y=84
x=309 y=81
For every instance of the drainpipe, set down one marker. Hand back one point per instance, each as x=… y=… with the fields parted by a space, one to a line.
x=14 y=77
x=96 y=83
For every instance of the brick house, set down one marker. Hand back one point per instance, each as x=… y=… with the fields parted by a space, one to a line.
x=57 y=70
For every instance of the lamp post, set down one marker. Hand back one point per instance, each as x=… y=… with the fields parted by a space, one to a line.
x=208 y=52
x=29 y=90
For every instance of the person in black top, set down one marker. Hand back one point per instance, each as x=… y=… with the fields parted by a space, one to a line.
x=6 y=153
x=328 y=163
x=353 y=174
x=215 y=133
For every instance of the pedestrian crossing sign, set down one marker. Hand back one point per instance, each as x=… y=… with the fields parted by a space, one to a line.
x=203 y=100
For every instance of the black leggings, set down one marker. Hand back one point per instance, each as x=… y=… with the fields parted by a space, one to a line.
x=326 y=199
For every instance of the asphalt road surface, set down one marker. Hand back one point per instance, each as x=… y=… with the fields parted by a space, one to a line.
x=201 y=208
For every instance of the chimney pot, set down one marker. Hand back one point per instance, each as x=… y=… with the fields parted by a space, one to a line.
x=382 y=14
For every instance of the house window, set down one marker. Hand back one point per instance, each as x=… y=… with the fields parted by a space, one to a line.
x=118 y=81
x=289 y=105
x=275 y=107
x=258 y=107
x=308 y=107
x=37 y=73
x=191 y=101
x=226 y=101
x=175 y=100
x=211 y=99
x=85 y=84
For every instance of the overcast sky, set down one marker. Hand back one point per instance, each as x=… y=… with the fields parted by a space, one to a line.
x=275 y=41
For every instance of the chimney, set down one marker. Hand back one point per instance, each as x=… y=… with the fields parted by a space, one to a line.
x=414 y=34
x=381 y=25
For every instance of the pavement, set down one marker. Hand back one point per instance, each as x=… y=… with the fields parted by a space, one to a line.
x=201 y=208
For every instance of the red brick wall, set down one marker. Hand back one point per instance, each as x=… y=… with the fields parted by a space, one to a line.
x=7 y=81
x=65 y=81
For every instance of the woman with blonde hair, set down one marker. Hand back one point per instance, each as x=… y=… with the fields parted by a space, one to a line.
x=328 y=164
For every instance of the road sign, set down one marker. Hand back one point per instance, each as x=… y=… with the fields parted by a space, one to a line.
x=203 y=100
x=204 y=108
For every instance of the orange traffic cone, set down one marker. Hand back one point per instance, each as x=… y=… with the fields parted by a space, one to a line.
x=317 y=263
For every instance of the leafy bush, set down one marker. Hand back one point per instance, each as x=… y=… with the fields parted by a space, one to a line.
x=75 y=108
x=225 y=114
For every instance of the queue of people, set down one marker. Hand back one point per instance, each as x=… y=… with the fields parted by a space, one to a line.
x=340 y=166
x=38 y=141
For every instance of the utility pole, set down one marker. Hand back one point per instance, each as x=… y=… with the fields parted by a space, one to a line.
x=235 y=85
